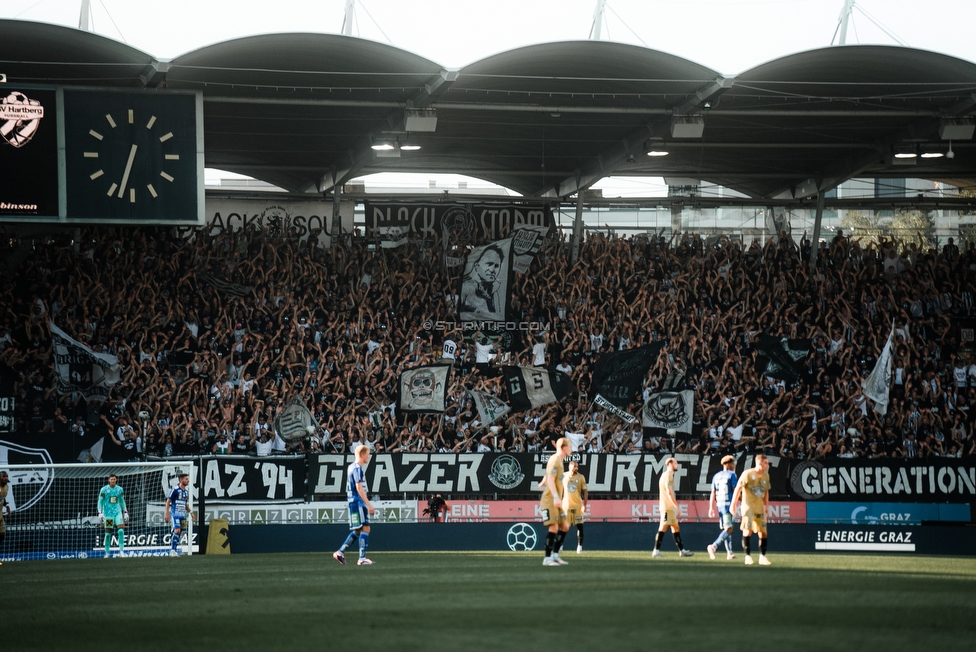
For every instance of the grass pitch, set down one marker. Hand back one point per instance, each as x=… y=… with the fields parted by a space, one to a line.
x=490 y=601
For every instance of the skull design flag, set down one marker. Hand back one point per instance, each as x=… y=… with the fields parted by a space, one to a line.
x=424 y=389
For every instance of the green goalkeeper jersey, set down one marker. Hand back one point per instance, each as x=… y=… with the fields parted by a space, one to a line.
x=111 y=501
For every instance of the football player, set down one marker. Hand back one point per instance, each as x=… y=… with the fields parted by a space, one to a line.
x=669 y=510
x=753 y=490
x=112 y=512
x=723 y=484
x=553 y=504
x=360 y=509
x=575 y=487
x=178 y=507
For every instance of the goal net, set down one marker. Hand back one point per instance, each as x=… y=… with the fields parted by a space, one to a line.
x=54 y=510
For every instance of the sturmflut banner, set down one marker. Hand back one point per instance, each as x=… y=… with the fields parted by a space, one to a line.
x=79 y=369
x=519 y=473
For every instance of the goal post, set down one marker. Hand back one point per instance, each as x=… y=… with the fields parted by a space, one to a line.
x=54 y=509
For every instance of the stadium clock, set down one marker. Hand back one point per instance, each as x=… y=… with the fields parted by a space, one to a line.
x=133 y=157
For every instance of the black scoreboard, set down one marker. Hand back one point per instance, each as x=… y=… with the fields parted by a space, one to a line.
x=89 y=155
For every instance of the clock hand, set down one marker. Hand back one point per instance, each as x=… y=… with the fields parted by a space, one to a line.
x=128 y=167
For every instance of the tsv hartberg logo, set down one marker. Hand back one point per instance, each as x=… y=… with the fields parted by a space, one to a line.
x=506 y=472
x=521 y=537
x=20 y=117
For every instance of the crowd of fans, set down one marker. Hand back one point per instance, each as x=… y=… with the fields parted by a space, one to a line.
x=215 y=333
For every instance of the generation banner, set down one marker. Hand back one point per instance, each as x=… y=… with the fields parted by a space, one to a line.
x=911 y=481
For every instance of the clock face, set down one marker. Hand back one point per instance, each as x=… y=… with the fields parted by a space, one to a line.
x=131 y=157
x=120 y=146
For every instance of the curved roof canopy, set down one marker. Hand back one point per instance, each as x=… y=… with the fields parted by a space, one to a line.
x=302 y=111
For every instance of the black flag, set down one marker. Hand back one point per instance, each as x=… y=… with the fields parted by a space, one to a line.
x=533 y=387
x=619 y=376
x=781 y=357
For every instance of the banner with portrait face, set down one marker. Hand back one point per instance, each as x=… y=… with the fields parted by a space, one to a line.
x=485 y=283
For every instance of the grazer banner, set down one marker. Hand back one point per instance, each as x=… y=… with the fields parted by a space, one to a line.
x=910 y=481
x=466 y=223
x=519 y=473
x=245 y=478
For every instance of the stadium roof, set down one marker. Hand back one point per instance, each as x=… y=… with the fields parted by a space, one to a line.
x=301 y=111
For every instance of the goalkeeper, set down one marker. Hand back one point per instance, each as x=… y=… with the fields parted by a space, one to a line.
x=112 y=512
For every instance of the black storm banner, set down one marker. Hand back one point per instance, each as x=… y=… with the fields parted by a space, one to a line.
x=464 y=224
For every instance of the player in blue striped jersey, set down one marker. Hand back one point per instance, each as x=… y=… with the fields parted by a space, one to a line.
x=723 y=484
x=360 y=509
x=178 y=507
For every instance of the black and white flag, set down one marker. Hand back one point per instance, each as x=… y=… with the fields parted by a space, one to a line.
x=532 y=387
x=79 y=369
x=224 y=287
x=670 y=409
x=424 y=389
x=392 y=237
x=878 y=385
x=484 y=284
x=613 y=409
x=780 y=357
x=619 y=376
x=527 y=240
x=490 y=407
x=295 y=421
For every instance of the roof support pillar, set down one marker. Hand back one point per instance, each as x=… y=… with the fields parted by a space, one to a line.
x=577 y=229
x=815 y=244
x=336 y=219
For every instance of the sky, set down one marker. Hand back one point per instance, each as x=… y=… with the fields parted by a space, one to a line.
x=729 y=36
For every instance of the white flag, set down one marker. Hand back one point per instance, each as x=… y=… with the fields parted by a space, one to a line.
x=424 y=389
x=877 y=386
x=670 y=409
x=295 y=421
x=490 y=407
x=79 y=369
